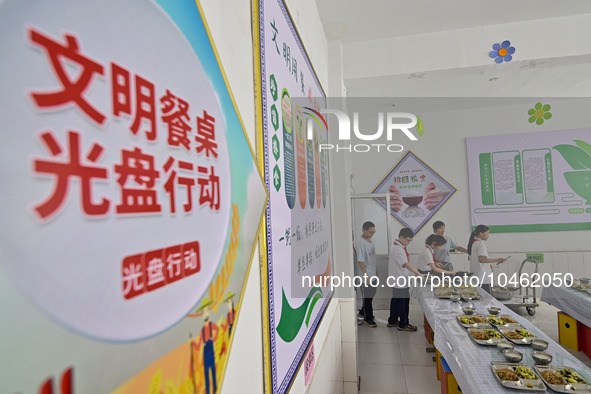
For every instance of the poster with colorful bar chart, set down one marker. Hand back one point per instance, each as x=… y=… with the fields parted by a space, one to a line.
x=298 y=241
x=531 y=182
x=131 y=199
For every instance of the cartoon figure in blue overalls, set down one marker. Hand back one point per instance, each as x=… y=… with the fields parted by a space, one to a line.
x=208 y=334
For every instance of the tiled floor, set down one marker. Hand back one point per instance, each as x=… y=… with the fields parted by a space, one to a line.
x=391 y=361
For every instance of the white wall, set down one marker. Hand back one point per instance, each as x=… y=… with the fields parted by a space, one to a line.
x=230 y=26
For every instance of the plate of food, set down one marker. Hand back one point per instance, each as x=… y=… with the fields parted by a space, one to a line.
x=502 y=321
x=517 y=376
x=517 y=334
x=475 y=321
x=562 y=379
x=471 y=293
x=485 y=336
x=444 y=292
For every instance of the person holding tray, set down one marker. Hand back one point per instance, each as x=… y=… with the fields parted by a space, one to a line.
x=426 y=263
x=478 y=256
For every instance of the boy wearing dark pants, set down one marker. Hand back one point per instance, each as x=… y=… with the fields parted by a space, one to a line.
x=366 y=258
x=400 y=269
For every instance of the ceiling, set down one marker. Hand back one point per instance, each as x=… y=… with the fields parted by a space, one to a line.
x=363 y=27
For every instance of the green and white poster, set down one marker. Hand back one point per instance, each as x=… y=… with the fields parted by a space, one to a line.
x=298 y=240
x=531 y=182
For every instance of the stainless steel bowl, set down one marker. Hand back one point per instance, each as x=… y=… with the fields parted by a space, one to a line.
x=505 y=346
x=468 y=310
x=541 y=357
x=493 y=310
x=513 y=356
x=502 y=293
x=539 y=344
x=454 y=297
x=466 y=298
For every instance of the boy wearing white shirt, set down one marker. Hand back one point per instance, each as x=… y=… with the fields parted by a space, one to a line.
x=399 y=268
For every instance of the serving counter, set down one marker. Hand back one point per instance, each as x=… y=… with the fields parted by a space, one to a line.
x=471 y=363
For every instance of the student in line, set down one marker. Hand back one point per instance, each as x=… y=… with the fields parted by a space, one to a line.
x=426 y=263
x=366 y=259
x=400 y=269
x=442 y=256
x=478 y=256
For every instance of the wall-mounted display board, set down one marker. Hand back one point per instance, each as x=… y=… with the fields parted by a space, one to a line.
x=298 y=240
x=417 y=192
x=131 y=199
x=531 y=182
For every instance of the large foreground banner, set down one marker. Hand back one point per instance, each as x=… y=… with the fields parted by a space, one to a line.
x=130 y=202
x=531 y=182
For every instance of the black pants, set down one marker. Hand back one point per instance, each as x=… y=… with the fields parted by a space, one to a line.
x=399 y=307
x=486 y=287
x=368 y=293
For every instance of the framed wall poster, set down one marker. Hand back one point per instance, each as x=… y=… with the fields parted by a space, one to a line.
x=419 y=192
x=298 y=241
x=131 y=203
x=531 y=182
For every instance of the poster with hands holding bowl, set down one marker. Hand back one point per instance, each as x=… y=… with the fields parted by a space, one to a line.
x=416 y=191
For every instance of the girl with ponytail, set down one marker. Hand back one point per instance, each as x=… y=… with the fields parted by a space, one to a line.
x=478 y=256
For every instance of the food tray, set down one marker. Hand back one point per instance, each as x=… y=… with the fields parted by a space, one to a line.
x=486 y=342
x=581 y=287
x=470 y=293
x=473 y=325
x=563 y=388
x=444 y=293
x=521 y=384
x=516 y=325
x=522 y=341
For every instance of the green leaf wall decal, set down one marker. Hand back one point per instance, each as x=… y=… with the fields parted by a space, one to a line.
x=576 y=157
x=583 y=145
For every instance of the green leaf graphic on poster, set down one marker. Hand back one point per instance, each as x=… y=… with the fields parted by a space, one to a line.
x=576 y=157
x=291 y=319
x=583 y=145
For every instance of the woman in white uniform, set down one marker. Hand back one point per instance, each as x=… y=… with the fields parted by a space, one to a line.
x=426 y=262
x=478 y=256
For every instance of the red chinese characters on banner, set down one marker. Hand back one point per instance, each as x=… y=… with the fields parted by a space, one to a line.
x=71 y=168
x=137 y=169
x=145 y=100
x=72 y=91
x=142 y=273
x=206 y=135
x=175 y=115
x=139 y=180
x=173 y=180
x=210 y=187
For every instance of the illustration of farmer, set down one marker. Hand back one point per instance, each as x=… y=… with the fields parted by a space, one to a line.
x=231 y=312
x=208 y=333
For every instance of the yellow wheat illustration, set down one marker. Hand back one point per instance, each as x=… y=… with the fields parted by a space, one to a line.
x=219 y=285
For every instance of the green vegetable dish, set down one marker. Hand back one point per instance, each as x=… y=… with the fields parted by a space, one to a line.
x=495 y=321
x=525 y=373
x=570 y=376
x=493 y=333
x=524 y=333
x=466 y=320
